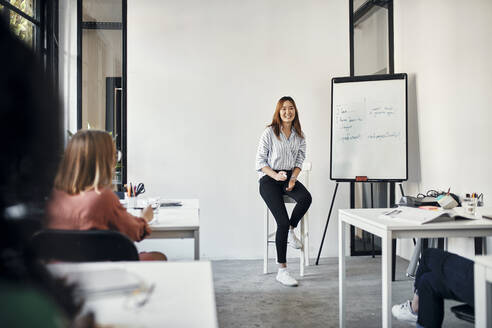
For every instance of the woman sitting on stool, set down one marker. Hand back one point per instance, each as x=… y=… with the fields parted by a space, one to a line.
x=279 y=159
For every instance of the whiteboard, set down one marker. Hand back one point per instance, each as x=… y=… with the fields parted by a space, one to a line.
x=369 y=128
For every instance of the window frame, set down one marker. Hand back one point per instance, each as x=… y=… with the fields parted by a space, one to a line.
x=45 y=39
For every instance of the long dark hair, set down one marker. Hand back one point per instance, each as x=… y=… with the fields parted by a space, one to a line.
x=31 y=122
x=277 y=121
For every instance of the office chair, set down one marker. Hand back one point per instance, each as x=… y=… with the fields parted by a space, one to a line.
x=83 y=246
x=464 y=312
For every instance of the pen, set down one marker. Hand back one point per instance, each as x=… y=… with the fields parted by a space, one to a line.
x=395 y=211
x=390 y=212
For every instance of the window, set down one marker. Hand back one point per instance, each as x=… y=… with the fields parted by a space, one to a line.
x=35 y=22
x=23 y=19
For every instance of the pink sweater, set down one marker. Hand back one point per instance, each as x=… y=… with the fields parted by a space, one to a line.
x=90 y=210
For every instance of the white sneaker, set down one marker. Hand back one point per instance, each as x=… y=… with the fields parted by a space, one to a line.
x=284 y=278
x=293 y=241
x=403 y=312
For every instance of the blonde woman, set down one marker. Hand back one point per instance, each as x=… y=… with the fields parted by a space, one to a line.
x=82 y=198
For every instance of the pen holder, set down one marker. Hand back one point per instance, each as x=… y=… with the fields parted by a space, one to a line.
x=470 y=205
x=132 y=202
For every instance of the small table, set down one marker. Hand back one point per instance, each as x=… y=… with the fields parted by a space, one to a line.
x=182 y=296
x=388 y=229
x=178 y=222
x=483 y=292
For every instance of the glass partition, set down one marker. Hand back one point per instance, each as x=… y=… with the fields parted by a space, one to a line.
x=370 y=54
x=101 y=72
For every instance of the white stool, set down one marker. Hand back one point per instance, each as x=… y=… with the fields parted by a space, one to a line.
x=303 y=227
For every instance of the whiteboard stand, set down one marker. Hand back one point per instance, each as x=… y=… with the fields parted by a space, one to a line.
x=327 y=221
x=368 y=128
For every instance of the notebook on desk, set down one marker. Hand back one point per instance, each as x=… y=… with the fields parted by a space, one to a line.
x=420 y=216
x=104 y=281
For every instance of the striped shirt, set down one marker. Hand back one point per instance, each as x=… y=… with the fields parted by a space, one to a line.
x=283 y=154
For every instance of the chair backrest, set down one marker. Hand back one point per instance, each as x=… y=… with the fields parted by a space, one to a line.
x=304 y=175
x=83 y=246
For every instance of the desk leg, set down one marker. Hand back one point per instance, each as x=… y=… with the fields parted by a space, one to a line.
x=342 y=226
x=481 y=318
x=197 y=245
x=386 y=250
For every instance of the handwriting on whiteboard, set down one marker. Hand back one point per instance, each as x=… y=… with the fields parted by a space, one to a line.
x=361 y=121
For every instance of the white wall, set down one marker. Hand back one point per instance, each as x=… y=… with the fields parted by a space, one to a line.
x=445 y=48
x=203 y=81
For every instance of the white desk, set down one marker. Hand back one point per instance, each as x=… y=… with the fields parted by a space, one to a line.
x=178 y=222
x=483 y=295
x=388 y=229
x=183 y=295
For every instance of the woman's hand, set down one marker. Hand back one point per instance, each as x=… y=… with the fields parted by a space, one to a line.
x=281 y=176
x=148 y=213
x=148 y=230
x=292 y=183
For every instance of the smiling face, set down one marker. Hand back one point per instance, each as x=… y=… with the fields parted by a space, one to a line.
x=287 y=112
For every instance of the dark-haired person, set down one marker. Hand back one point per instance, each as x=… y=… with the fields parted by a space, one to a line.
x=441 y=275
x=31 y=132
x=281 y=152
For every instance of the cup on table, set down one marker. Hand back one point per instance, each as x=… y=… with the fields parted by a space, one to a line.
x=154 y=202
x=470 y=205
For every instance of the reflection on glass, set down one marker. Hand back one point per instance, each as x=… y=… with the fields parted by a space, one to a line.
x=22 y=28
x=358 y=4
x=24 y=5
x=371 y=43
x=101 y=11
x=363 y=241
x=101 y=59
x=102 y=51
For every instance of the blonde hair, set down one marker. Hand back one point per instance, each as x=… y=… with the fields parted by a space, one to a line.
x=88 y=162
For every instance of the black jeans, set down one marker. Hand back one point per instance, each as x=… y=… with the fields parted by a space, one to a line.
x=442 y=275
x=272 y=192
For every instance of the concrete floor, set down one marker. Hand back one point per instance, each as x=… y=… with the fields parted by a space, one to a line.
x=247 y=298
